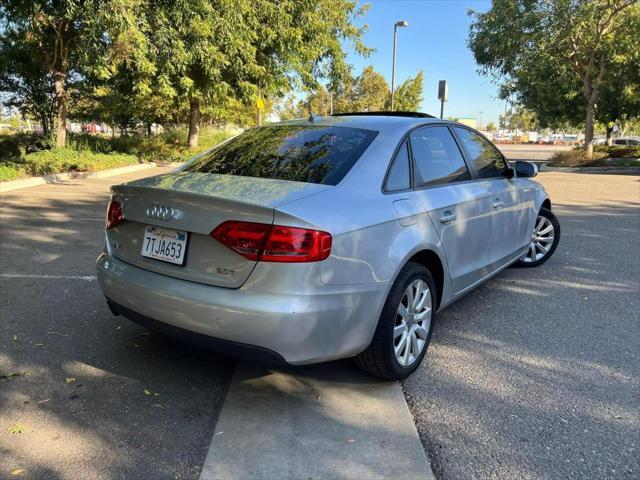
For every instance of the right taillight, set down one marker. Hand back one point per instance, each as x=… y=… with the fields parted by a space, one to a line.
x=114 y=214
x=274 y=243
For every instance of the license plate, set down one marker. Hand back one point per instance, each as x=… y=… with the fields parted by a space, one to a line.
x=165 y=244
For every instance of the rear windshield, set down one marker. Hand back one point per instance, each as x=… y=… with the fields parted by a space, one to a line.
x=289 y=152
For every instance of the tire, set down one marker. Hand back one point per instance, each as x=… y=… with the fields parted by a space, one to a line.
x=380 y=359
x=545 y=218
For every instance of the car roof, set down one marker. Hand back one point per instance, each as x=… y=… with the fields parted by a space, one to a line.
x=382 y=122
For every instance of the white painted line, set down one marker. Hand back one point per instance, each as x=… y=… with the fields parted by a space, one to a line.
x=326 y=421
x=88 y=278
x=51 y=217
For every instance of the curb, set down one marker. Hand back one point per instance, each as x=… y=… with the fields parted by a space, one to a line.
x=324 y=421
x=602 y=170
x=62 y=177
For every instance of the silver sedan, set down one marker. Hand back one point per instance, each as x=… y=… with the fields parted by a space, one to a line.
x=318 y=239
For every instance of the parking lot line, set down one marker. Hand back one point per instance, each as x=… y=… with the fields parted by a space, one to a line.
x=326 y=421
x=88 y=278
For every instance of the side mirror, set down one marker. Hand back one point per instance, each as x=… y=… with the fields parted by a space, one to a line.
x=526 y=169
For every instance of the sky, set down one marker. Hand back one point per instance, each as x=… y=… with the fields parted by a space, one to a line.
x=434 y=42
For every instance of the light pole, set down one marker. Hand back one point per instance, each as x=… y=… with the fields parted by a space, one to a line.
x=401 y=23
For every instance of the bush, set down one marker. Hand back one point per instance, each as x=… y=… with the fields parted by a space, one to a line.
x=86 y=152
x=575 y=158
x=618 y=151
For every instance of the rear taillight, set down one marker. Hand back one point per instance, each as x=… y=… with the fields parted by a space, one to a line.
x=114 y=214
x=274 y=243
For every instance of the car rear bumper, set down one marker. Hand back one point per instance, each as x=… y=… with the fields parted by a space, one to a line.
x=311 y=327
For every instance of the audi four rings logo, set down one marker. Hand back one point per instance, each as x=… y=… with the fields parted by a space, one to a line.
x=161 y=212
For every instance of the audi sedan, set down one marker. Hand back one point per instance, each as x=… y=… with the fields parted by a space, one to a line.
x=312 y=240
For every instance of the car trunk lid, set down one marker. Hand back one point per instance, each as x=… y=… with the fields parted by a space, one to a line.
x=198 y=202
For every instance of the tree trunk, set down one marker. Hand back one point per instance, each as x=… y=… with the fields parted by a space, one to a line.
x=61 y=97
x=588 y=126
x=148 y=129
x=610 y=135
x=45 y=125
x=194 y=123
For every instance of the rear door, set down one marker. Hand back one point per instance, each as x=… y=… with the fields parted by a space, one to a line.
x=444 y=186
x=510 y=200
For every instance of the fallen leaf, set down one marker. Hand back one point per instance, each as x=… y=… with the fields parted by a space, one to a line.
x=43 y=401
x=136 y=345
x=39 y=344
x=17 y=428
x=349 y=440
x=15 y=338
x=147 y=392
x=9 y=376
x=17 y=471
x=69 y=380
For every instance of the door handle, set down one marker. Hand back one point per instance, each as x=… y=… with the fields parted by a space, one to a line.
x=448 y=217
x=498 y=204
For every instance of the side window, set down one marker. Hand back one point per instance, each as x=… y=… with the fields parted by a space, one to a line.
x=437 y=157
x=619 y=142
x=486 y=158
x=398 y=177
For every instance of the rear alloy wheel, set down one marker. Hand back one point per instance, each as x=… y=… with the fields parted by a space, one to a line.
x=404 y=329
x=544 y=240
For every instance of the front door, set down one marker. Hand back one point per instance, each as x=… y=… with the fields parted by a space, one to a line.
x=456 y=205
x=507 y=199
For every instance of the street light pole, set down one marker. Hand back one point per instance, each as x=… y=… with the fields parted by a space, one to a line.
x=401 y=23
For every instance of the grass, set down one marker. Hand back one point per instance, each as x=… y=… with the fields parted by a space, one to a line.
x=603 y=156
x=88 y=153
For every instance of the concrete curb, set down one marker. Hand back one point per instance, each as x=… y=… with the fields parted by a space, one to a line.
x=602 y=170
x=63 y=177
x=326 y=421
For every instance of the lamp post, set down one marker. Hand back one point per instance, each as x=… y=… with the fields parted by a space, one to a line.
x=401 y=23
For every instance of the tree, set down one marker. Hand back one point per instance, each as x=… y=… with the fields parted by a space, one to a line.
x=246 y=49
x=65 y=35
x=25 y=82
x=368 y=91
x=555 y=55
x=408 y=96
x=491 y=127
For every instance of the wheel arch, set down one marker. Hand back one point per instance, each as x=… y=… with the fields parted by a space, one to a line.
x=432 y=261
x=546 y=203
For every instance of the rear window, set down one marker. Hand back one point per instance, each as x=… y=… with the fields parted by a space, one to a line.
x=289 y=152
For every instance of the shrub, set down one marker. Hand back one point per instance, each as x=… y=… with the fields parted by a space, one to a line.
x=575 y=158
x=615 y=151
x=86 y=152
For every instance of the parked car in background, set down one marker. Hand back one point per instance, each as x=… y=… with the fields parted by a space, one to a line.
x=313 y=240
x=627 y=141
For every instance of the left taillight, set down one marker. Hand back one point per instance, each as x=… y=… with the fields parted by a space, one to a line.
x=274 y=243
x=114 y=214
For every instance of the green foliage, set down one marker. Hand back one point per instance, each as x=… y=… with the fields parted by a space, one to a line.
x=568 y=61
x=575 y=158
x=86 y=152
x=618 y=151
x=366 y=92
x=63 y=160
x=408 y=96
x=578 y=158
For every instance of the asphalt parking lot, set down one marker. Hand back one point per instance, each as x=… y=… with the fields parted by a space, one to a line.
x=536 y=374
x=533 y=375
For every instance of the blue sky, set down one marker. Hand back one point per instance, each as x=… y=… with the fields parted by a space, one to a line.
x=434 y=42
